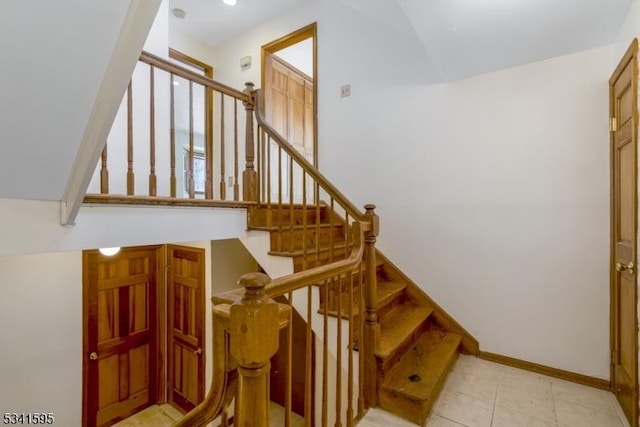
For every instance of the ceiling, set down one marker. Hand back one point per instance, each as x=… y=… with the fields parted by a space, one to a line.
x=213 y=22
x=461 y=37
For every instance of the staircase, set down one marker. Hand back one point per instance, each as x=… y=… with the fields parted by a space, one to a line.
x=418 y=343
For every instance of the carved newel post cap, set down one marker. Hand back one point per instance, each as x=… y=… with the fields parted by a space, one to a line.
x=254 y=281
x=369 y=207
x=249 y=84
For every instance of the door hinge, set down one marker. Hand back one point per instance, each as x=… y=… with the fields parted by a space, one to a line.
x=613 y=124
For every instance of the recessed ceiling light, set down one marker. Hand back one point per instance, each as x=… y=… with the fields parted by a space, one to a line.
x=179 y=13
x=230 y=2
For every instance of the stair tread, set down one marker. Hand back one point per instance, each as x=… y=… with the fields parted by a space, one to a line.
x=398 y=325
x=429 y=359
x=387 y=290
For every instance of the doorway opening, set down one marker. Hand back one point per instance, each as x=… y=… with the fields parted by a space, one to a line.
x=289 y=80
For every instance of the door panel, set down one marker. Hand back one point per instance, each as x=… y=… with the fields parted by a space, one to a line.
x=185 y=329
x=624 y=323
x=289 y=109
x=120 y=333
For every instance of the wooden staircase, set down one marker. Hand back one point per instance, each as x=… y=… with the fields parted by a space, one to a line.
x=418 y=342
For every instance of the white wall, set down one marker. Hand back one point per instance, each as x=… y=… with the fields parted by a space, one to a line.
x=492 y=191
x=41 y=330
x=230 y=260
x=32 y=226
x=300 y=55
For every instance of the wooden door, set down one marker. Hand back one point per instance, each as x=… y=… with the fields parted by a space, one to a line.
x=624 y=324
x=289 y=109
x=120 y=334
x=185 y=330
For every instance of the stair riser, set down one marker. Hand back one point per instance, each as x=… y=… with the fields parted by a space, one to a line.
x=293 y=240
x=317 y=259
x=264 y=217
x=415 y=411
x=385 y=308
x=385 y=365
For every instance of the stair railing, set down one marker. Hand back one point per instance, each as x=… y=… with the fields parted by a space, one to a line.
x=287 y=182
x=177 y=140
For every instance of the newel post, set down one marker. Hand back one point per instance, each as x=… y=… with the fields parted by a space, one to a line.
x=249 y=176
x=254 y=340
x=371 y=325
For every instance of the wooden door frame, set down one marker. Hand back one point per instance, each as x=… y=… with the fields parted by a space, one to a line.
x=630 y=55
x=304 y=33
x=160 y=316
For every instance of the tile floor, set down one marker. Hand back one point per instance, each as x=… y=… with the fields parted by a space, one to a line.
x=485 y=394
x=153 y=416
x=477 y=394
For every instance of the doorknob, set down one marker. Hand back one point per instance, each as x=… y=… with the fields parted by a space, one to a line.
x=622 y=267
x=197 y=352
x=93 y=355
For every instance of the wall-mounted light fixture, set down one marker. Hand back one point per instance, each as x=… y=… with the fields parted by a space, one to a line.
x=109 y=251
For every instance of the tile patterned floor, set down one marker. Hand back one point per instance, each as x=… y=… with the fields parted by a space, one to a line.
x=484 y=394
x=477 y=394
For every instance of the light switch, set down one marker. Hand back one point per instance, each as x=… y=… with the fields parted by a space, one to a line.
x=345 y=90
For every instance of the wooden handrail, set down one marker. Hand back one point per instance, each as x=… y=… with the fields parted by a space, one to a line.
x=295 y=281
x=179 y=71
x=324 y=183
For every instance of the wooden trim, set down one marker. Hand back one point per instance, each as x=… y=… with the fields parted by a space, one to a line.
x=161 y=325
x=546 y=370
x=110 y=199
x=191 y=61
x=308 y=32
x=469 y=343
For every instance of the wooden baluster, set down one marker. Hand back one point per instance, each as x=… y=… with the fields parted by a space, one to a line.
x=280 y=197
x=350 y=414
x=172 y=109
x=371 y=325
x=338 y=422
x=130 y=175
x=308 y=381
x=208 y=146
x=104 y=172
x=191 y=147
x=152 y=133
x=289 y=374
x=291 y=211
x=261 y=166
x=254 y=328
x=325 y=359
x=224 y=417
x=236 y=185
x=361 y=406
x=249 y=176
x=269 y=174
x=223 y=188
